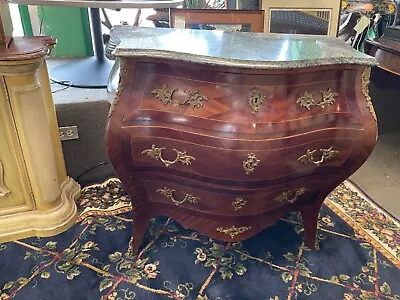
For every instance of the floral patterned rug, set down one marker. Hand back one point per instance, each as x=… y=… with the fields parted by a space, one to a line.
x=358 y=257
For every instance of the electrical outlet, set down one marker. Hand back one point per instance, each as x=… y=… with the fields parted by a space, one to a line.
x=68 y=133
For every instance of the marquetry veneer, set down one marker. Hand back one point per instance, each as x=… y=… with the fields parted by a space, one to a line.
x=229 y=150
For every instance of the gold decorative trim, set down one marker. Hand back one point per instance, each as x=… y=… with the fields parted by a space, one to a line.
x=121 y=85
x=168 y=193
x=256 y=99
x=165 y=95
x=365 y=80
x=193 y=98
x=181 y=157
x=290 y=196
x=251 y=163
x=308 y=100
x=4 y=191
x=326 y=154
x=233 y=230
x=239 y=203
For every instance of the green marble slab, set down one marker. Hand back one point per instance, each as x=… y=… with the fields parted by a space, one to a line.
x=236 y=49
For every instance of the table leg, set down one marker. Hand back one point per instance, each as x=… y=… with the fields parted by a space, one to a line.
x=89 y=72
x=97 y=35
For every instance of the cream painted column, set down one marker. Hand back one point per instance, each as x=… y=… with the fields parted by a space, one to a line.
x=31 y=119
x=52 y=121
x=41 y=202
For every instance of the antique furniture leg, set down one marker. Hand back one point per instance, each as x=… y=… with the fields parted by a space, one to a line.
x=310 y=223
x=310 y=216
x=141 y=219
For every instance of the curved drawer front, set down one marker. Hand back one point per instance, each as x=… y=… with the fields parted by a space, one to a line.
x=243 y=165
x=224 y=228
x=224 y=97
x=232 y=202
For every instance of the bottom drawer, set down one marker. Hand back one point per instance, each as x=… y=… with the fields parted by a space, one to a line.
x=240 y=202
x=224 y=228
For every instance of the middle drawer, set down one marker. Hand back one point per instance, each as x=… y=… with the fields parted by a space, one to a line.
x=233 y=202
x=239 y=164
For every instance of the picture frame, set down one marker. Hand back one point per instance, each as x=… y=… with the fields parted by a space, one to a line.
x=324 y=8
x=243 y=4
x=183 y=18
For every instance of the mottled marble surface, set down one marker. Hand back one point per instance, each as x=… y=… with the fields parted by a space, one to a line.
x=236 y=49
x=112 y=4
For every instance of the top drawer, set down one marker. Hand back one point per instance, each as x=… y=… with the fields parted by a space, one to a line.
x=242 y=98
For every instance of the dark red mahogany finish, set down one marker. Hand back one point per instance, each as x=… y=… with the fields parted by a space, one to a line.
x=218 y=192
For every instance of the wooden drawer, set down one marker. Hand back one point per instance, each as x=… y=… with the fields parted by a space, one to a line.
x=241 y=162
x=233 y=202
x=223 y=228
x=239 y=98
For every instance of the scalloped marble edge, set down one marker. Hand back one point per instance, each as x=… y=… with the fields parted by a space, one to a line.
x=122 y=33
x=213 y=61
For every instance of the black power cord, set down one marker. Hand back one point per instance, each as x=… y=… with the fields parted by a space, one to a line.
x=91 y=169
x=67 y=84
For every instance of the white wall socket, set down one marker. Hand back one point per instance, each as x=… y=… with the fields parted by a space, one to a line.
x=68 y=133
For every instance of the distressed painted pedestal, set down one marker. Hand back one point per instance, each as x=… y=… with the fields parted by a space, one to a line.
x=37 y=198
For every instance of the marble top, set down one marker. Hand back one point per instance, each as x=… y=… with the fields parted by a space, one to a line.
x=235 y=49
x=112 y=4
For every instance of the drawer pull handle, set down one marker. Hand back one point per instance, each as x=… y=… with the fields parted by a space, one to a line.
x=4 y=191
x=181 y=157
x=193 y=98
x=308 y=100
x=255 y=100
x=168 y=193
x=290 y=196
x=250 y=163
x=233 y=230
x=165 y=94
x=326 y=154
x=239 y=203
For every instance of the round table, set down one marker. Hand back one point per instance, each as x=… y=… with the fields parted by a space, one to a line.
x=93 y=72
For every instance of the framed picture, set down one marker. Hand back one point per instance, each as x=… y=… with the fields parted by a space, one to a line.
x=222 y=19
x=243 y=4
x=302 y=16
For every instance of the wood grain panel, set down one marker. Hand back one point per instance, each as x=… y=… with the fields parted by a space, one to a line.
x=274 y=163
x=220 y=135
x=229 y=93
x=232 y=202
